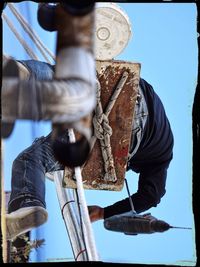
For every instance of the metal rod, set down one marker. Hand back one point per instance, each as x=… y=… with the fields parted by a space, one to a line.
x=177 y=227
x=89 y=236
x=130 y=199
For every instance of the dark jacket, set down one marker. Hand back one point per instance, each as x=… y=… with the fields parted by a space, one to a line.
x=151 y=159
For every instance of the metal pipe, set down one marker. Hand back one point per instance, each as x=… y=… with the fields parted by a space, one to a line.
x=70 y=217
x=90 y=242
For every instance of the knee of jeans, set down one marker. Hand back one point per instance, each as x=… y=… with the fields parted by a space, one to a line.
x=18 y=163
x=38 y=139
x=21 y=158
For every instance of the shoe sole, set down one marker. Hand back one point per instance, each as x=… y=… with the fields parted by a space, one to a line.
x=10 y=70
x=17 y=224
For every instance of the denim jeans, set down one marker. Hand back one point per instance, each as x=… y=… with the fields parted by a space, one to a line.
x=28 y=172
x=38 y=70
x=31 y=165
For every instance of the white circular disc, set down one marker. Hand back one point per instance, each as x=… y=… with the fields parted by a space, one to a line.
x=113 y=31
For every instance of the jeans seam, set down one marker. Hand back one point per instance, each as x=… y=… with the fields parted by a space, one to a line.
x=25 y=195
x=24 y=176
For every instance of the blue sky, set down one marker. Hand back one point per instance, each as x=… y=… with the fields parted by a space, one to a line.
x=164 y=41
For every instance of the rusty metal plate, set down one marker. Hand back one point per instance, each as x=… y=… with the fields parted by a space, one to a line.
x=109 y=74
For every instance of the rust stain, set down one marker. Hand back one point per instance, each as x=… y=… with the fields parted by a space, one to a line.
x=122 y=152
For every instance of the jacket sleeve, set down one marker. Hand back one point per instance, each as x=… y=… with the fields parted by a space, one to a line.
x=151 y=188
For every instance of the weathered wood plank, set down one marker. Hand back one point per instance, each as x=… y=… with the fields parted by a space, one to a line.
x=120 y=119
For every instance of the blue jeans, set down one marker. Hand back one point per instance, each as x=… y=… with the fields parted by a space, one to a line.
x=31 y=165
x=39 y=70
x=28 y=174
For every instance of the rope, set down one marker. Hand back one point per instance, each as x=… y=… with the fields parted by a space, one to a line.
x=103 y=131
x=35 y=38
x=20 y=39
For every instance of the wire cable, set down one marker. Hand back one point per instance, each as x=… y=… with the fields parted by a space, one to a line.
x=19 y=38
x=35 y=38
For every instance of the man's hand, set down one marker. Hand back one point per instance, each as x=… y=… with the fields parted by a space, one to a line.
x=96 y=213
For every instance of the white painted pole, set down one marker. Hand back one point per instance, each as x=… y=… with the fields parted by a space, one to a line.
x=90 y=244
x=70 y=217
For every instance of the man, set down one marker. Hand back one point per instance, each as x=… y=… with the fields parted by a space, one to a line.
x=150 y=155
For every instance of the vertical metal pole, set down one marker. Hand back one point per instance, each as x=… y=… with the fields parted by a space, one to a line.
x=70 y=216
x=5 y=244
x=88 y=231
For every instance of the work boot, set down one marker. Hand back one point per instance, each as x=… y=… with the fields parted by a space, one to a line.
x=46 y=12
x=11 y=69
x=75 y=29
x=9 y=106
x=23 y=220
x=14 y=69
x=78 y=8
x=75 y=60
x=24 y=73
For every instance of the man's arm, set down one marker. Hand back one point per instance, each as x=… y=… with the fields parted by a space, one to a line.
x=151 y=188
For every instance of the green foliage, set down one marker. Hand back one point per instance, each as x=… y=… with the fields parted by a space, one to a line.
x=21 y=254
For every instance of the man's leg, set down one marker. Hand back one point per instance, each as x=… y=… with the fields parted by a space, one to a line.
x=72 y=94
x=24 y=70
x=69 y=99
x=27 y=201
x=75 y=62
